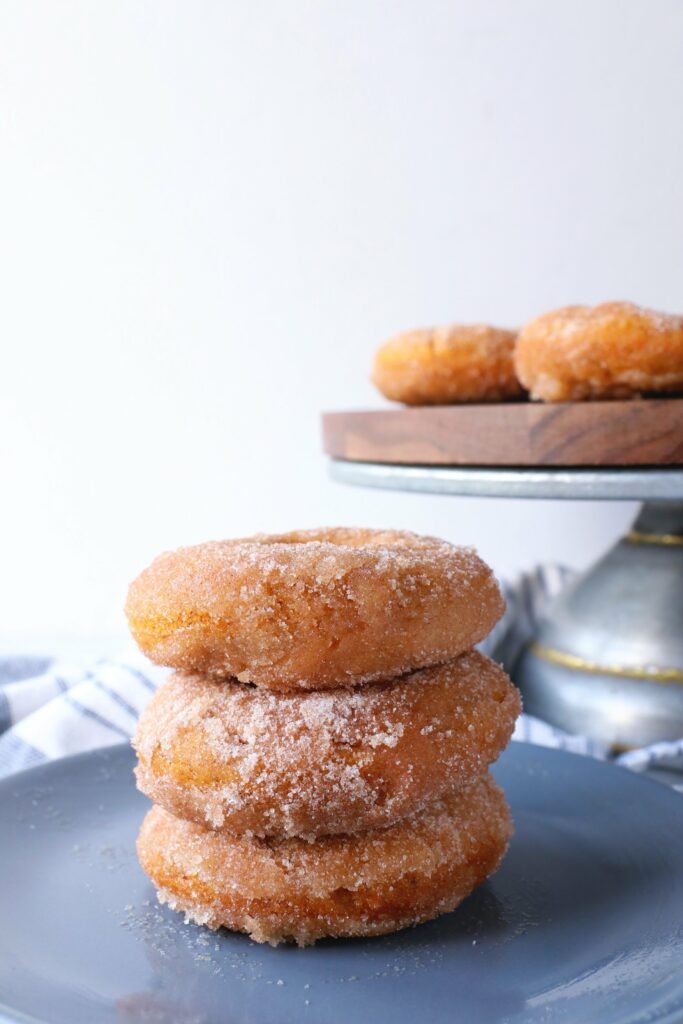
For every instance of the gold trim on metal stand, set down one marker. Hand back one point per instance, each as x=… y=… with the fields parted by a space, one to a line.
x=663 y=539
x=655 y=675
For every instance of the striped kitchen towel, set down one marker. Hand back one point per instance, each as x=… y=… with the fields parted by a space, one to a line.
x=50 y=709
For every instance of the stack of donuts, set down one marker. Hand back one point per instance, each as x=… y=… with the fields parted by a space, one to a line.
x=319 y=759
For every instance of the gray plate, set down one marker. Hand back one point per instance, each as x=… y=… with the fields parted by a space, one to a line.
x=584 y=921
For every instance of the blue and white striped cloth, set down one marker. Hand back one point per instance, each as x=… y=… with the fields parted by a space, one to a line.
x=50 y=709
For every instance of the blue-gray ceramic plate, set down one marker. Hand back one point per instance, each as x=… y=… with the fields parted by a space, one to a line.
x=583 y=923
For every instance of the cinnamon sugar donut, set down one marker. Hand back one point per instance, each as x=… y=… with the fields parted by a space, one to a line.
x=616 y=350
x=367 y=884
x=313 y=609
x=241 y=759
x=443 y=365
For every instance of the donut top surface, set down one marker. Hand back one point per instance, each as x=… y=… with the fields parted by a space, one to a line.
x=313 y=608
x=460 y=342
x=311 y=558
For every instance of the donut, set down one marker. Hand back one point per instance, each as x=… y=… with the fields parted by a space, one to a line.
x=443 y=365
x=313 y=609
x=616 y=350
x=367 y=884
x=240 y=758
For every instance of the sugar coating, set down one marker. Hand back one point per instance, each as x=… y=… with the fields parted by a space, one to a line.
x=614 y=350
x=313 y=609
x=441 y=365
x=367 y=884
x=246 y=760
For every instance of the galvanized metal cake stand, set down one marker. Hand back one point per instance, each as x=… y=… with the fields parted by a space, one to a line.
x=607 y=660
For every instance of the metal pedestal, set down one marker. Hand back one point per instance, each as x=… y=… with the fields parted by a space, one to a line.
x=608 y=658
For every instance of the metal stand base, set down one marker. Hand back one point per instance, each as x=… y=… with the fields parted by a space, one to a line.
x=608 y=660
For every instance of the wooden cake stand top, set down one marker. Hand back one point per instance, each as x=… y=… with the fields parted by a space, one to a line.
x=646 y=432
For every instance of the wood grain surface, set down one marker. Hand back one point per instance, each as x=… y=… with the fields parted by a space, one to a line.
x=647 y=432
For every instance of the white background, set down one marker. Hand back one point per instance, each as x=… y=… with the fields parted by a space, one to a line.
x=212 y=213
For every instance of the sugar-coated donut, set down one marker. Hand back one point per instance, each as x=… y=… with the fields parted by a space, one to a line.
x=249 y=761
x=367 y=884
x=313 y=609
x=444 y=365
x=616 y=350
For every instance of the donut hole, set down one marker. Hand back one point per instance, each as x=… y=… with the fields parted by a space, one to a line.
x=338 y=537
